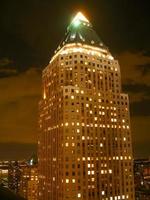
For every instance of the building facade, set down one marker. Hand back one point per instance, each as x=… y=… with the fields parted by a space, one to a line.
x=85 y=146
x=29 y=182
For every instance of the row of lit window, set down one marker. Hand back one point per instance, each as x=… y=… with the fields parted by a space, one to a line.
x=84 y=56
x=89 y=64
x=96 y=125
x=103 y=158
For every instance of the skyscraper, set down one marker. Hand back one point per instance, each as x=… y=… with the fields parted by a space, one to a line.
x=84 y=147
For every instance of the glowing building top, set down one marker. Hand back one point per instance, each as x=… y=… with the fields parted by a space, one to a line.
x=81 y=31
x=79 y=18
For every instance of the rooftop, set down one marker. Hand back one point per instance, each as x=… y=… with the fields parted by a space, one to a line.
x=81 y=31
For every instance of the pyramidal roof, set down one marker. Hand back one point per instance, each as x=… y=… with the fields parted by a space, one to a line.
x=81 y=31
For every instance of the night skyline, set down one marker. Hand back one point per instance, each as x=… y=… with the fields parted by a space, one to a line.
x=30 y=33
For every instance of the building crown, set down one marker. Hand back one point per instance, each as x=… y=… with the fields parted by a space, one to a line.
x=79 y=18
x=81 y=31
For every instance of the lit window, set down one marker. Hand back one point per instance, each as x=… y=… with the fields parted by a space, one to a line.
x=129 y=157
x=79 y=195
x=66 y=124
x=101 y=145
x=67 y=144
x=67 y=180
x=83 y=137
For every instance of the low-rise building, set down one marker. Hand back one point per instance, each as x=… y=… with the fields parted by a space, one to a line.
x=142 y=179
x=29 y=181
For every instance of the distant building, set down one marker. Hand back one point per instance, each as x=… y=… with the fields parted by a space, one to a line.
x=142 y=179
x=21 y=177
x=14 y=176
x=10 y=172
x=29 y=181
x=4 y=173
x=85 y=145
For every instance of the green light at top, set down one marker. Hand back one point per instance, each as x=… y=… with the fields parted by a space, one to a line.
x=76 y=23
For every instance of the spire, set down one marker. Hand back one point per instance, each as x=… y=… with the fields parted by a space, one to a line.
x=81 y=31
x=79 y=18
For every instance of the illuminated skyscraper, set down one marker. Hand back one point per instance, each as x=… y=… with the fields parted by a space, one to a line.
x=85 y=147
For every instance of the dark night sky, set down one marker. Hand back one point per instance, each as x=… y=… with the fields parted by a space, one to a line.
x=30 y=31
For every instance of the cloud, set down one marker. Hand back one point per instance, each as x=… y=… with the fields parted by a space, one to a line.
x=25 y=84
x=137 y=92
x=5 y=61
x=6 y=68
x=140 y=108
x=140 y=135
x=132 y=66
x=7 y=72
x=19 y=107
x=24 y=150
x=137 y=88
x=136 y=82
x=145 y=68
